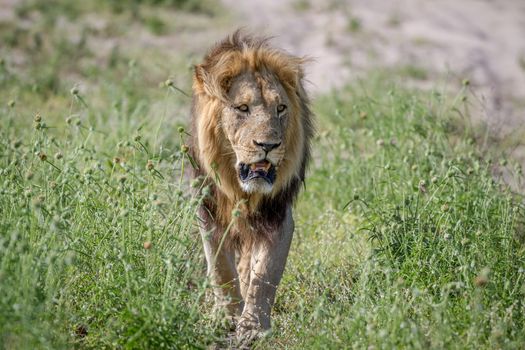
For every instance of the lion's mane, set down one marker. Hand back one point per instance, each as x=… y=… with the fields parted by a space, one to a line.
x=260 y=214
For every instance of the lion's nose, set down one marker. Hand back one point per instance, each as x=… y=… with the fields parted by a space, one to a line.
x=267 y=147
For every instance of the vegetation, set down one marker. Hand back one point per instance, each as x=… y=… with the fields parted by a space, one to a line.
x=406 y=238
x=405 y=235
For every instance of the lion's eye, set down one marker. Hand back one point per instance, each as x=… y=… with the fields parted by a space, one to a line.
x=242 y=108
x=281 y=108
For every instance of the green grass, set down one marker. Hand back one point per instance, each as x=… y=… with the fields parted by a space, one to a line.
x=80 y=199
x=405 y=235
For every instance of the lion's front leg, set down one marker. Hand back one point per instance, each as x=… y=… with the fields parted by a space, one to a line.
x=267 y=266
x=244 y=268
x=221 y=269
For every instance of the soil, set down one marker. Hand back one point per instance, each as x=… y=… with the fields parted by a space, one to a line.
x=435 y=44
x=438 y=44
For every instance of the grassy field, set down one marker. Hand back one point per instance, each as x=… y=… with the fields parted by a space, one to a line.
x=406 y=237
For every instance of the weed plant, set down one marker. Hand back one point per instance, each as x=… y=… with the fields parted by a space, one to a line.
x=406 y=237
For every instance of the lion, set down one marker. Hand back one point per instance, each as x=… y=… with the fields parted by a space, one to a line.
x=251 y=132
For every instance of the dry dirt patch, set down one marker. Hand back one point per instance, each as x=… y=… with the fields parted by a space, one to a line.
x=434 y=42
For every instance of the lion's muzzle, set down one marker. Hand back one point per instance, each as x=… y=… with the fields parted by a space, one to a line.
x=260 y=170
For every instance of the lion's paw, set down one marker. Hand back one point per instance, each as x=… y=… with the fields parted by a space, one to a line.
x=248 y=332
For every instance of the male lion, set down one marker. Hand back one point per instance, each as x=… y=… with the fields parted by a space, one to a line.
x=251 y=141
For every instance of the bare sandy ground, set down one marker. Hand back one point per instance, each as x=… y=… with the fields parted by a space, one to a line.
x=481 y=40
x=446 y=41
x=442 y=42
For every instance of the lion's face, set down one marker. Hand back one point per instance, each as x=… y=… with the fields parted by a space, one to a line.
x=251 y=123
x=255 y=125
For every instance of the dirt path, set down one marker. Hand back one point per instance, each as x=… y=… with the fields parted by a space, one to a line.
x=431 y=43
x=483 y=41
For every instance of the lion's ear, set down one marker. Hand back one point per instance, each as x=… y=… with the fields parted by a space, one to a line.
x=203 y=81
x=214 y=84
x=292 y=77
x=290 y=72
x=199 y=76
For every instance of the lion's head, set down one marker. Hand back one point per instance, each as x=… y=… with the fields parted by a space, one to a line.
x=251 y=119
x=255 y=122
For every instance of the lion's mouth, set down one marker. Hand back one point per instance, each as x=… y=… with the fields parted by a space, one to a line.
x=262 y=169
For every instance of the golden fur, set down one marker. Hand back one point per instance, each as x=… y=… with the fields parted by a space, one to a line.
x=215 y=155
